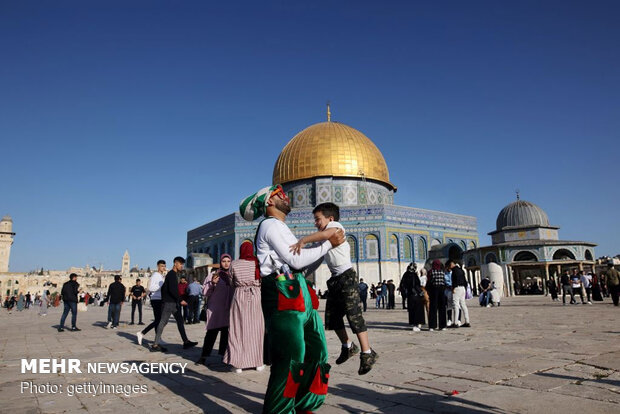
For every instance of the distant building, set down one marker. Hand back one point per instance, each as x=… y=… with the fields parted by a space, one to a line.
x=330 y=161
x=526 y=250
x=125 y=266
x=6 y=241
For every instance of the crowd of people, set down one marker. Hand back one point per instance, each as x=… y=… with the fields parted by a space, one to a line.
x=588 y=285
x=264 y=310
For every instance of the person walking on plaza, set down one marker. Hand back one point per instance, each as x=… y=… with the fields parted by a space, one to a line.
x=45 y=303
x=586 y=285
x=391 y=288
x=552 y=286
x=137 y=294
x=218 y=291
x=384 y=294
x=155 y=283
x=363 y=288
x=193 y=301
x=612 y=277
x=172 y=307
x=436 y=286
x=448 y=277
x=597 y=295
x=343 y=298
x=247 y=326
x=296 y=340
x=577 y=286
x=459 y=287
x=69 y=293
x=116 y=297
x=183 y=297
x=566 y=288
x=411 y=284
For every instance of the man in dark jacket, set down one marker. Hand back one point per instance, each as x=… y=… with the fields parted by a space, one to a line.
x=69 y=294
x=116 y=297
x=363 y=287
x=172 y=306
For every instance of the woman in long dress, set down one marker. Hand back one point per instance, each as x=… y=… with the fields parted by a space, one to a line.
x=246 y=331
x=415 y=305
x=45 y=302
x=218 y=290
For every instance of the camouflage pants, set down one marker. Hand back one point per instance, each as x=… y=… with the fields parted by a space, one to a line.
x=343 y=299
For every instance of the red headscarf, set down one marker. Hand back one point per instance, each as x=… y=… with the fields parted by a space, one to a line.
x=436 y=264
x=247 y=253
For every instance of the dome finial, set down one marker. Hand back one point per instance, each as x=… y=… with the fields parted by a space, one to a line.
x=518 y=196
x=329 y=114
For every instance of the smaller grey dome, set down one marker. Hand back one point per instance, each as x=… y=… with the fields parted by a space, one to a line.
x=521 y=213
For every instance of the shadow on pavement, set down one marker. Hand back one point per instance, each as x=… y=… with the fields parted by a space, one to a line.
x=603 y=380
x=407 y=401
x=197 y=388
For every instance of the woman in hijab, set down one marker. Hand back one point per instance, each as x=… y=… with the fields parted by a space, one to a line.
x=415 y=297
x=436 y=286
x=45 y=302
x=218 y=290
x=247 y=326
x=20 y=302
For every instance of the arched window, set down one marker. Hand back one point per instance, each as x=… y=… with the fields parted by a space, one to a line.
x=422 y=250
x=472 y=245
x=408 y=247
x=490 y=258
x=588 y=255
x=525 y=257
x=372 y=246
x=435 y=242
x=563 y=254
x=393 y=246
x=463 y=245
x=352 y=248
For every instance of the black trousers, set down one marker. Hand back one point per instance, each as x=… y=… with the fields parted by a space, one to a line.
x=363 y=300
x=437 y=307
x=156 y=304
x=209 y=341
x=391 y=301
x=614 y=290
x=192 y=304
x=415 y=308
x=137 y=303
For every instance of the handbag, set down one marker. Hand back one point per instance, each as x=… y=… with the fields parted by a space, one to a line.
x=468 y=293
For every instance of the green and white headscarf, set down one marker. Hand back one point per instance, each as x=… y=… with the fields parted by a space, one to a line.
x=255 y=206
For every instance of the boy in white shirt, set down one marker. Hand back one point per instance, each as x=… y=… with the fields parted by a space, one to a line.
x=343 y=297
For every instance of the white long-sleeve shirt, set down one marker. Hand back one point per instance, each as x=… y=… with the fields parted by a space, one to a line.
x=155 y=285
x=273 y=242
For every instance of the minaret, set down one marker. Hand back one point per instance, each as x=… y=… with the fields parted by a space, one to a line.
x=6 y=241
x=125 y=267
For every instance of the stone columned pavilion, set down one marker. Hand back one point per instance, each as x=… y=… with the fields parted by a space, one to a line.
x=526 y=249
x=330 y=161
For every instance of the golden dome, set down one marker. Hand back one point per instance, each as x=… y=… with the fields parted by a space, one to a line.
x=330 y=149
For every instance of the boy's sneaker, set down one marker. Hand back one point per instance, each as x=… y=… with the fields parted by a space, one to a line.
x=367 y=361
x=140 y=336
x=109 y=325
x=346 y=353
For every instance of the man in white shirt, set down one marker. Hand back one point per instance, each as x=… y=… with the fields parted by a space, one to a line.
x=296 y=339
x=155 y=282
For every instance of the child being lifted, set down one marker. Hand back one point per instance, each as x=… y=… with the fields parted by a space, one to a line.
x=343 y=297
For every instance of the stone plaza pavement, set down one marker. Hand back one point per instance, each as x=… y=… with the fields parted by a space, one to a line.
x=530 y=355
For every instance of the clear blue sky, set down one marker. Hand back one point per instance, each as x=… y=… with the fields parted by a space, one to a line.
x=125 y=124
